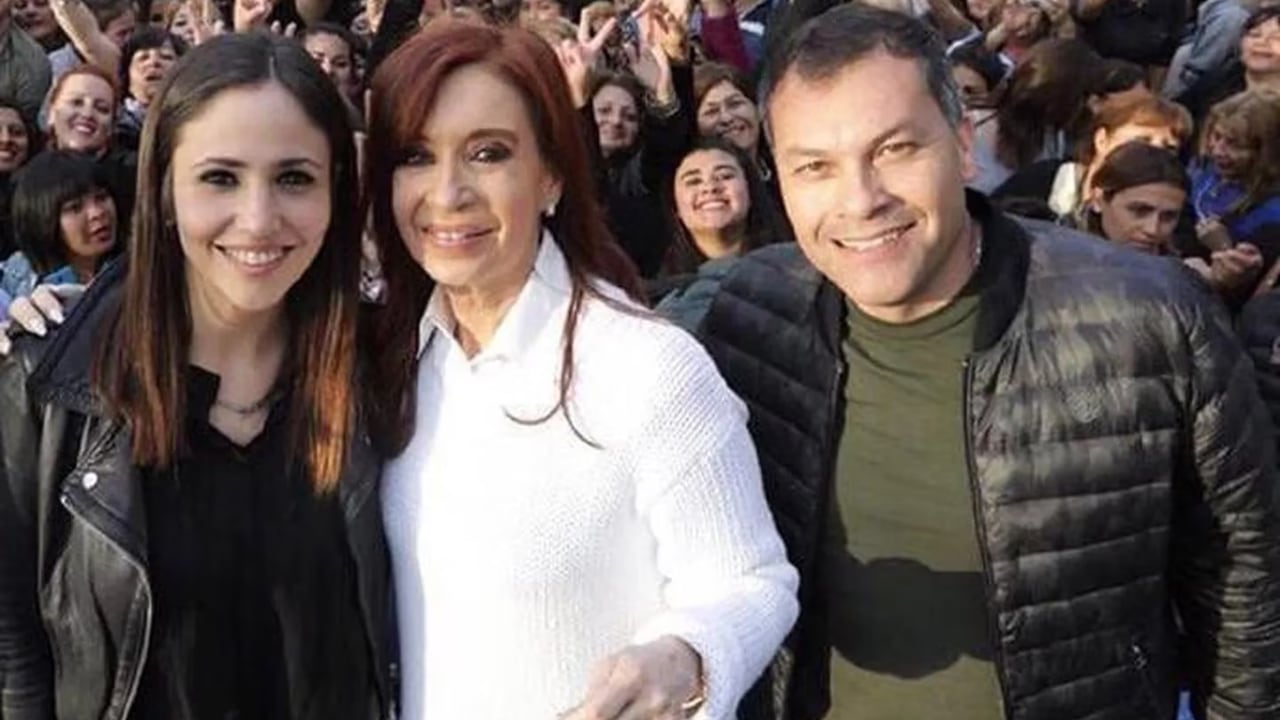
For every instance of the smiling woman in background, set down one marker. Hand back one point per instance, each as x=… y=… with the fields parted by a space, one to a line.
x=83 y=105
x=19 y=140
x=720 y=210
x=575 y=515
x=726 y=108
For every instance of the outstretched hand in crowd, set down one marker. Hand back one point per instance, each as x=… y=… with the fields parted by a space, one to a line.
x=662 y=39
x=579 y=57
x=252 y=14
x=46 y=305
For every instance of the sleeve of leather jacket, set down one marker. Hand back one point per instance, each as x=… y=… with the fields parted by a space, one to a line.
x=1226 y=533
x=26 y=673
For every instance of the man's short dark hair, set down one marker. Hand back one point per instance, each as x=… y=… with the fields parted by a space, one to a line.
x=845 y=34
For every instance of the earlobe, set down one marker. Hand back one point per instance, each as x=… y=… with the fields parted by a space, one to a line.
x=1099 y=140
x=551 y=197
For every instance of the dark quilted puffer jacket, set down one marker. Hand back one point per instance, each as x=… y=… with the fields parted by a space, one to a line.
x=1121 y=464
x=1259 y=328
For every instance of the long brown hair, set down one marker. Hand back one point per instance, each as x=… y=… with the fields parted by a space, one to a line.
x=1048 y=93
x=404 y=90
x=141 y=369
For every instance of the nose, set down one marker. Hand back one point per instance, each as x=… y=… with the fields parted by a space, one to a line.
x=259 y=212
x=862 y=192
x=714 y=188
x=98 y=207
x=450 y=187
x=1150 y=226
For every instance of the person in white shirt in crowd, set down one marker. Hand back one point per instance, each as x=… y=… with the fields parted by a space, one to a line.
x=575 y=515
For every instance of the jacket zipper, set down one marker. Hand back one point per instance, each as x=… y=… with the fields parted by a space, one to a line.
x=136 y=680
x=1140 y=663
x=833 y=445
x=971 y=469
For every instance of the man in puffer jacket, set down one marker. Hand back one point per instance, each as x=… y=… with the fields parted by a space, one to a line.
x=1259 y=328
x=1024 y=474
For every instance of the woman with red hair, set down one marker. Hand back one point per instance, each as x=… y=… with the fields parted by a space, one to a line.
x=83 y=104
x=574 y=508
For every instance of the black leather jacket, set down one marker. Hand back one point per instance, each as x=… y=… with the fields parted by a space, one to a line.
x=1121 y=464
x=75 y=598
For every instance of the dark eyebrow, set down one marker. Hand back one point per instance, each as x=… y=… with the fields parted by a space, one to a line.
x=237 y=164
x=495 y=133
x=876 y=142
x=503 y=134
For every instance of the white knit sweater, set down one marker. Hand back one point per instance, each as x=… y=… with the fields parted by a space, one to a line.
x=523 y=556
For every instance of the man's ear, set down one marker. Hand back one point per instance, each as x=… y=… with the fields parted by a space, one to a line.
x=965 y=136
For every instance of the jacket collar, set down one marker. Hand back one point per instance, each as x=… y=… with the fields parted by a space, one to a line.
x=1007 y=245
x=63 y=373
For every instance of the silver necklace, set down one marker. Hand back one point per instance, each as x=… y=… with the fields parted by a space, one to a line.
x=977 y=247
x=257 y=407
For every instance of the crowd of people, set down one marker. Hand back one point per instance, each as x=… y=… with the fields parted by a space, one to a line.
x=868 y=359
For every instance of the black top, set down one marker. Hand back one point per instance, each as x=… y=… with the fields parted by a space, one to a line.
x=1146 y=32
x=251 y=572
x=1211 y=89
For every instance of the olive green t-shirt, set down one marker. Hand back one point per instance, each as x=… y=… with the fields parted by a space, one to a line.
x=901 y=568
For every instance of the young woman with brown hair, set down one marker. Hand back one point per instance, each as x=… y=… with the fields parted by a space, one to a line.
x=187 y=498
x=1138 y=195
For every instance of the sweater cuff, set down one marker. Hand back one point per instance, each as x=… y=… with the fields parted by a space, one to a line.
x=721 y=659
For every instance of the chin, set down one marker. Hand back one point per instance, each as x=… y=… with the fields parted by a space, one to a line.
x=259 y=302
x=253 y=298
x=449 y=274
